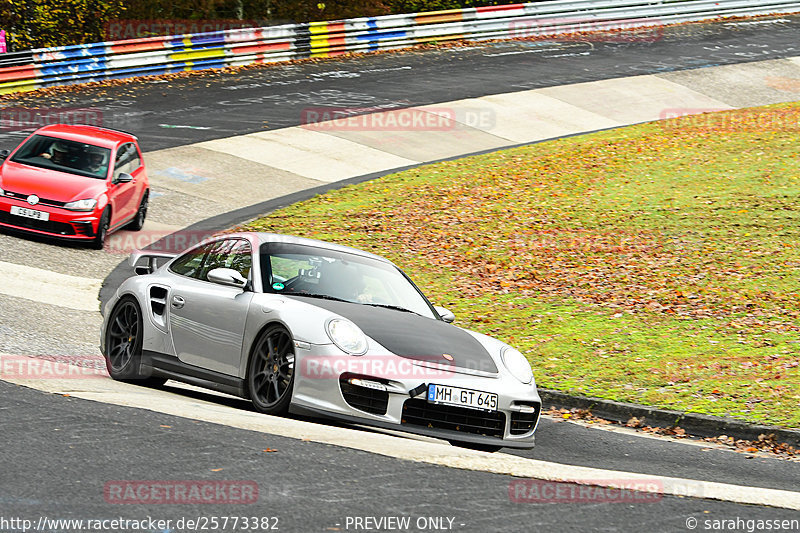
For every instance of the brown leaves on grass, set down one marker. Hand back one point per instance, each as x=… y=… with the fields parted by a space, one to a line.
x=575 y=221
x=766 y=443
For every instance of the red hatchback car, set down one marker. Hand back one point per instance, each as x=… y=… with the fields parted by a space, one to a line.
x=74 y=182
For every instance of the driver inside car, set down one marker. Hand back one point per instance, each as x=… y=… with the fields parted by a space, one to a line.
x=58 y=154
x=341 y=280
x=95 y=162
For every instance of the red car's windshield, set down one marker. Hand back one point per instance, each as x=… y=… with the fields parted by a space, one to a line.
x=65 y=156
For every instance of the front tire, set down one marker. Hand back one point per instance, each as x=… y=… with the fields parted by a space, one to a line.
x=123 y=351
x=270 y=372
x=102 y=230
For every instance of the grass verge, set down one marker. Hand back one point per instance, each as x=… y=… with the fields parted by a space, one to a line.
x=655 y=264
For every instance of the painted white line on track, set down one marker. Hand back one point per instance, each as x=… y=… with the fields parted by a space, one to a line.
x=757 y=22
x=172 y=403
x=47 y=287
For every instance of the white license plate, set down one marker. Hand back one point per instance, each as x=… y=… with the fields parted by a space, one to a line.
x=29 y=213
x=473 y=399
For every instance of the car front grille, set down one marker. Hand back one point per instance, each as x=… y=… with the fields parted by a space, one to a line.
x=522 y=423
x=362 y=398
x=43 y=201
x=56 y=228
x=418 y=412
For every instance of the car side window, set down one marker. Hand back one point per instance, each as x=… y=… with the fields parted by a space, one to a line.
x=241 y=259
x=227 y=253
x=232 y=253
x=127 y=160
x=136 y=161
x=190 y=264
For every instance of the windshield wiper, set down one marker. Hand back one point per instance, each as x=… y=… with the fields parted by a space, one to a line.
x=326 y=297
x=395 y=307
x=320 y=296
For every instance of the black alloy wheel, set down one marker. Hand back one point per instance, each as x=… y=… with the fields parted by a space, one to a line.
x=270 y=376
x=102 y=230
x=123 y=351
x=138 y=221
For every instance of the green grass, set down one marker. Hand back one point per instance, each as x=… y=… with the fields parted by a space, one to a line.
x=656 y=263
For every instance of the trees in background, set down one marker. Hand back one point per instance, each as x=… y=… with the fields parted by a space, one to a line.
x=44 y=23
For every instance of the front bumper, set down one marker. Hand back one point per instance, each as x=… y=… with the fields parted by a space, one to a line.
x=62 y=223
x=323 y=388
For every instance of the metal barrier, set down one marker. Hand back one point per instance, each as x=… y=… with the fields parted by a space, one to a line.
x=21 y=71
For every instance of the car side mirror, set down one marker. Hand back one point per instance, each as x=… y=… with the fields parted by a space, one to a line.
x=227 y=276
x=123 y=177
x=4 y=154
x=446 y=314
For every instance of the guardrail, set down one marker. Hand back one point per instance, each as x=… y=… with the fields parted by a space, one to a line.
x=21 y=71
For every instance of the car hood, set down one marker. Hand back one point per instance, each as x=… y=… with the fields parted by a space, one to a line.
x=412 y=336
x=49 y=184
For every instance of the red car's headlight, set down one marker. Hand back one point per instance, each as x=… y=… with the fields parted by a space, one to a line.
x=81 y=205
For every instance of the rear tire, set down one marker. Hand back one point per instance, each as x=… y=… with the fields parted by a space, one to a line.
x=138 y=221
x=123 y=344
x=102 y=230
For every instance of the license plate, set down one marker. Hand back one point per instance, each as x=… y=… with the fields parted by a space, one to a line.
x=473 y=399
x=29 y=213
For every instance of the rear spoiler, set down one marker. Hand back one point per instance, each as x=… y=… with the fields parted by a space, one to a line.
x=118 y=131
x=151 y=262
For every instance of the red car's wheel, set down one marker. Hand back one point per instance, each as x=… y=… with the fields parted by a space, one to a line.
x=102 y=230
x=138 y=221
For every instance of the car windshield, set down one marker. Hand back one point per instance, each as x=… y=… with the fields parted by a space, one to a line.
x=300 y=270
x=65 y=156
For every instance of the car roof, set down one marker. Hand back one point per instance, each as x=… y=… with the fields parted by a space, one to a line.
x=290 y=239
x=87 y=134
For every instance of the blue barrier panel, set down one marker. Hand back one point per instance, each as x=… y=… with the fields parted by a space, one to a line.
x=217 y=49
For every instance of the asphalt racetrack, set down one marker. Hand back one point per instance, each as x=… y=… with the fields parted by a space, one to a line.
x=168 y=113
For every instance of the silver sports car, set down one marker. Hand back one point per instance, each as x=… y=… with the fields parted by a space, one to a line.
x=313 y=328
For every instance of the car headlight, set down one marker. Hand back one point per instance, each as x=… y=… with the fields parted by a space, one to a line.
x=81 y=205
x=517 y=364
x=2 y=192
x=346 y=336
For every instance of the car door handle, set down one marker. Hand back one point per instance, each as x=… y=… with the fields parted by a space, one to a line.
x=178 y=302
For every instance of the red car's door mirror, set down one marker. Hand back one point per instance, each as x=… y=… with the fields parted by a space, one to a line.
x=123 y=177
